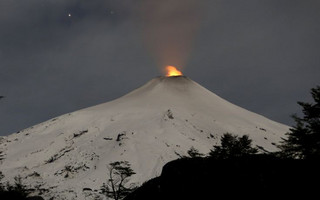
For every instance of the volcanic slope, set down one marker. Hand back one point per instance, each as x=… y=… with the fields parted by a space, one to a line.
x=148 y=127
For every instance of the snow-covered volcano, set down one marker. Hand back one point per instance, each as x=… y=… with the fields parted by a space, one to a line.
x=147 y=127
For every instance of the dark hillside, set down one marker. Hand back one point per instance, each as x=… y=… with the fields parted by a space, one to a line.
x=250 y=177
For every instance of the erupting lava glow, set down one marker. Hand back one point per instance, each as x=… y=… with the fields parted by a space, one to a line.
x=172 y=71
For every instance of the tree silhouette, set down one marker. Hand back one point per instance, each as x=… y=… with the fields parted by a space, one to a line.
x=15 y=191
x=119 y=174
x=232 y=147
x=303 y=140
x=194 y=153
x=2 y=188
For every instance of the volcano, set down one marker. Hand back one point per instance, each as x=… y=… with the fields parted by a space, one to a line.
x=148 y=127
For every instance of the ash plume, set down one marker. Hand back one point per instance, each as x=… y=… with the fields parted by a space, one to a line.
x=169 y=28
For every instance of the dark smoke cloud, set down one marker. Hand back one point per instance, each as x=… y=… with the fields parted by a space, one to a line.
x=261 y=55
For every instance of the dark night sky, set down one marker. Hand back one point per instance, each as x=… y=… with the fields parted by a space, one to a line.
x=261 y=55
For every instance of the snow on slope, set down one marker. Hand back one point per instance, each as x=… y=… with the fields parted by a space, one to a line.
x=147 y=127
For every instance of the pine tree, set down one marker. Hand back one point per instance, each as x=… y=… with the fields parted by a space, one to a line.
x=303 y=140
x=233 y=147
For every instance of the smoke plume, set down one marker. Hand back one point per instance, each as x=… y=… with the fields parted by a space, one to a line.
x=169 y=28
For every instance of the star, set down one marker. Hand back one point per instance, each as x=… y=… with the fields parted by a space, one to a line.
x=69 y=14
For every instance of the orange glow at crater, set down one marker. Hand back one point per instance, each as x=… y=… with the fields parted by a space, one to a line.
x=172 y=71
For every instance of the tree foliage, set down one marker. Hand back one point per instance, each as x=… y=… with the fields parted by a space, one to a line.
x=15 y=191
x=194 y=153
x=303 y=140
x=119 y=174
x=233 y=146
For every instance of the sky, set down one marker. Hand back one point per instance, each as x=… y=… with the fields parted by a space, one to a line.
x=59 y=56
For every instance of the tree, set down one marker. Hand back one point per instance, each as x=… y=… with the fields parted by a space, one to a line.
x=232 y=146
x=18 y=186
x=2 y=188
x=119 y=174
x=194 y=153
x=303 y=140
x=16 y=191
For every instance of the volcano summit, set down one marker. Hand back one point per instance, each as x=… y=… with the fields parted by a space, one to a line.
x=148 y=127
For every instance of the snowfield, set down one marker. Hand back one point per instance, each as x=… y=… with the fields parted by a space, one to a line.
x=148 y=127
